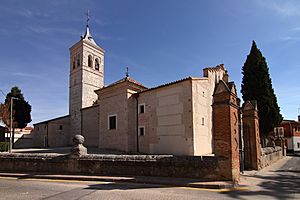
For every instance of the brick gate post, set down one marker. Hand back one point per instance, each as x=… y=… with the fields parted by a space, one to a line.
x=251 y=136
x=226 y=130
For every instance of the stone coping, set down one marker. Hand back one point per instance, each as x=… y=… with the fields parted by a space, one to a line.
x=103 y=157
x=269 y=150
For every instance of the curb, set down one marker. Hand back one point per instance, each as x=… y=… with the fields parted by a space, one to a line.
x=175 y=182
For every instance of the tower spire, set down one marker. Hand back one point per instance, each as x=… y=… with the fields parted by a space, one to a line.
x=87 y=36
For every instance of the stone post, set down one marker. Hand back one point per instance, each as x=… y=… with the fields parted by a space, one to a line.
x=226 y=131
x=252 y=145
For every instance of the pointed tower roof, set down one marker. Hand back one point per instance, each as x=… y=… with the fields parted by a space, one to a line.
x=87 y=37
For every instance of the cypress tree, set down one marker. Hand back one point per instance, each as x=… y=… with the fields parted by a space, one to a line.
x=257 y=85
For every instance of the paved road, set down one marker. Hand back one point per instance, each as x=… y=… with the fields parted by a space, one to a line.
x=281 y=181
x=57 y=189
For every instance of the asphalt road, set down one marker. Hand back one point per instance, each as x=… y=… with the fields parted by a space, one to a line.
x=281 y=181
x=58 y=189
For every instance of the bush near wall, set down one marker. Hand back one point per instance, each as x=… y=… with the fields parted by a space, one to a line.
x=4 y=146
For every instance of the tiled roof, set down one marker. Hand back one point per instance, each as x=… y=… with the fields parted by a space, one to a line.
x=290 y=121
x=28 y=128
x=129 y=79
x=174 y=82
x=43 y=122
x=126 y=79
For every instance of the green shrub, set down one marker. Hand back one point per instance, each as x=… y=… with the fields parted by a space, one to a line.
x=4 y=146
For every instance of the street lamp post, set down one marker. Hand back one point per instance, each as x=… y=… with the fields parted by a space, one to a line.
x=11 y=123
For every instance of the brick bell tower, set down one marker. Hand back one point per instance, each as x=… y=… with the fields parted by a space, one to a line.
x=86 y=76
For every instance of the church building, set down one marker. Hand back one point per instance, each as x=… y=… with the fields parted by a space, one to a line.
x=173 y=118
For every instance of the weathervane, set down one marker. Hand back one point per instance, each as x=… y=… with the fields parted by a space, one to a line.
x=87 y=17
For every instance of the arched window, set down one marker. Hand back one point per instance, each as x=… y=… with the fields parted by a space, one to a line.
x=74 y=65
x=90 y=62
x=97 y=64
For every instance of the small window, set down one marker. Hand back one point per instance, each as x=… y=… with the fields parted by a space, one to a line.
x=141 y=131
x=202 y=121
x=78 y=62
x=142 y=108
x=74 y=64
x=60 y=127
x=90 y=62
x=112 y=122
x=298 y=145
x=97 y=64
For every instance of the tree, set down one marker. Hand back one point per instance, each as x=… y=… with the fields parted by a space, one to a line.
x=257 y=85
x=21 y=110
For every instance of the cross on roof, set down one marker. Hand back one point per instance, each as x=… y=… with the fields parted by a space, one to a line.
x=127 y=73
x=88 y=17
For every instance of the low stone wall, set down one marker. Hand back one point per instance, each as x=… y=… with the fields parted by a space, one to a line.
x=270 y=155
x=132 y=165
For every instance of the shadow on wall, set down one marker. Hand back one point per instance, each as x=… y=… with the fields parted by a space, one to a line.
x=24 y=142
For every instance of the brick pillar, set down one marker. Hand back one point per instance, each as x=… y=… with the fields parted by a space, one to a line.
x=252 y=146
x=226 y=131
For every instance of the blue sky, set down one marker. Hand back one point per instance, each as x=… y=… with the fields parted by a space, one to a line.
x=160 y=41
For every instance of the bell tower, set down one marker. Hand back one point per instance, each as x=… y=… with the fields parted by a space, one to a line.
x=86 y=76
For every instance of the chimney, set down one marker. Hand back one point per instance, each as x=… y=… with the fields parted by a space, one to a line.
x=298 y=118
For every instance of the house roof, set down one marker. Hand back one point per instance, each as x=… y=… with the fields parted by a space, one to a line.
x=28 y=128
x=294 y=122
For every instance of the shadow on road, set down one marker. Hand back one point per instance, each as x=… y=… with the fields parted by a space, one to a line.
x=283 y=185
x=123 y=186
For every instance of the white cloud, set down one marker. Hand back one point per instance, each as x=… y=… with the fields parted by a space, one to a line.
x=30 y=13
x=295 y=29
x=41 y=29
x=24 y=74
x=290 y=38
x=284 y=8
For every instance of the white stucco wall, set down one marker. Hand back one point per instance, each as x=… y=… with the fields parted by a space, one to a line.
x=167 y=120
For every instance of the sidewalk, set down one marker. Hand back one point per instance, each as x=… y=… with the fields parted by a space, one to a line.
x=253 y=178
x=178 y=182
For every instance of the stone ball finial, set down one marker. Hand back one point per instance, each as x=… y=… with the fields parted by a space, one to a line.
x=78 y=139
x=78 y=148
